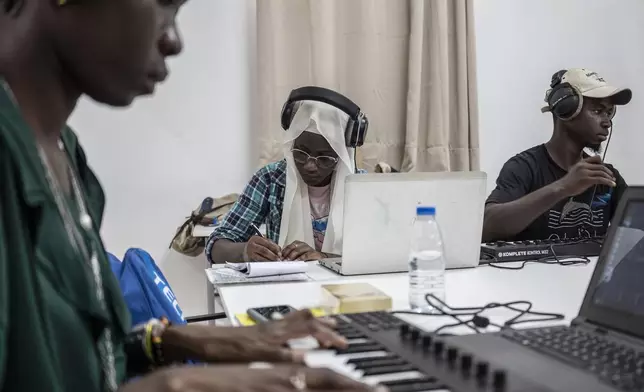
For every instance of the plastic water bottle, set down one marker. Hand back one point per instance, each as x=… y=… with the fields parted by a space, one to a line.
x=426 y=261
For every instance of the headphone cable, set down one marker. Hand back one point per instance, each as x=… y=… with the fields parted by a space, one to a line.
x=591 y=217
x=355 y=160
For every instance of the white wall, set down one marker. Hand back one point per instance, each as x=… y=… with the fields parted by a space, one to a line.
x=160 y=158
x=520 y=44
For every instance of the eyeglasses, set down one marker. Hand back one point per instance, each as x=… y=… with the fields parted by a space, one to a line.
x=323 y=162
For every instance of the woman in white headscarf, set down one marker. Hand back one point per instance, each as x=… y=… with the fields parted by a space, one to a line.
x=300 y=199
x=317 y=162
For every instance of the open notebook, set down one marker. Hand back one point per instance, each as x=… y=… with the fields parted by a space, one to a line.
x=258 y=272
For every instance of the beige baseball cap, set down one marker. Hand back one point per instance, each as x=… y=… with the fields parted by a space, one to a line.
x=591 y=85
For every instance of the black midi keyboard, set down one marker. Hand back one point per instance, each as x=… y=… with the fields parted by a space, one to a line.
x=385 y=350
x=501 y=251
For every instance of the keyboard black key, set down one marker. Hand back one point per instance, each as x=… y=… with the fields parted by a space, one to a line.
x=380 y=370
x=346 y=328
x=360 y=348
x=364 y=343
x=407 y=381
x=414 y=385
x=356 y=361
x=354 y=335
x=377 y=362
x=419 y=387
x=376 y=320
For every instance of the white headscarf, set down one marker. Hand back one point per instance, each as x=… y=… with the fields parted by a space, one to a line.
x=296 y=225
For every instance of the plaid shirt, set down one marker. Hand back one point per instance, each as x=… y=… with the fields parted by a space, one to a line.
x=260 y=203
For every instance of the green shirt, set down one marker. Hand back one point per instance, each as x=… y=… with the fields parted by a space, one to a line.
x=50 y=317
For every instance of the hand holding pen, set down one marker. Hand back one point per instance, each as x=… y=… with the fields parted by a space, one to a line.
x=260 y=248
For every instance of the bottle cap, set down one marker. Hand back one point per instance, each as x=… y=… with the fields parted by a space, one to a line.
x=425 y=211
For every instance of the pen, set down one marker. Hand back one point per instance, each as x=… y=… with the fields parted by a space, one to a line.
x=259 y=233
x=256 y=229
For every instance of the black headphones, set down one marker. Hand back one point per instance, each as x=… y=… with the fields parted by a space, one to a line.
x=357 y=126
x=564 y=100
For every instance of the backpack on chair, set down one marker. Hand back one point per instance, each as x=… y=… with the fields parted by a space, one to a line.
x=145 y=289
x=209 y=213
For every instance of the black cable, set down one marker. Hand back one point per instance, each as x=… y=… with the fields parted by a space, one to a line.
x=476 y=321
x=569 y=261
x=355 y=160
x=547 y=317
x=589 y=224
x=443 y=313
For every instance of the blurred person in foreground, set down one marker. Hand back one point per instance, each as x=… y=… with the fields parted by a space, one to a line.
x=63 y=322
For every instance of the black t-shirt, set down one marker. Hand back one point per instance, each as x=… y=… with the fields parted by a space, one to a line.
x=570 y=218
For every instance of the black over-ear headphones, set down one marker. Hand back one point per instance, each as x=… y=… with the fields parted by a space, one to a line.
x=357 y=126
x=564 y=100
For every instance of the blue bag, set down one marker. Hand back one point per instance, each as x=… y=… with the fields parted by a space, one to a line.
x=145 y=289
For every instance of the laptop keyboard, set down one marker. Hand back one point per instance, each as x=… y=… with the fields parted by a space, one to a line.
x=620 y=366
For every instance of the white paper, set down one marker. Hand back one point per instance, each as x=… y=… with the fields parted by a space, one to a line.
x=223 y=276
x=276 y=268
x=271 y=268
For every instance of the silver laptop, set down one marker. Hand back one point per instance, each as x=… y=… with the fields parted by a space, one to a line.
x=379 y=210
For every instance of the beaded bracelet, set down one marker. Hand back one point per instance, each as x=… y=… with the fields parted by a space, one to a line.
x=139 y=361
x=153 y=340
x=147 y=341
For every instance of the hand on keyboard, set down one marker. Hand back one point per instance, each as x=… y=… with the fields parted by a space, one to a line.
x=260 y=343
x=241 y=378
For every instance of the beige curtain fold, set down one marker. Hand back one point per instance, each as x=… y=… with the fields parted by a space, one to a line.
x=409 y=64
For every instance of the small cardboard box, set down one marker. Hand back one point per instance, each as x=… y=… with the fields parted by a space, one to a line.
x=355 y=298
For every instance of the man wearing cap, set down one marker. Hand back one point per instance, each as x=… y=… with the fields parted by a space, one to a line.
x=556 y=190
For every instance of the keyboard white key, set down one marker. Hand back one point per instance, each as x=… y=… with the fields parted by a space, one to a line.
x=321 y=358
x=339 y=363
x=373 y=380
x=304 y=344
x=366 y=360
x=310 y=343
x=329 y=359
x=354 y=341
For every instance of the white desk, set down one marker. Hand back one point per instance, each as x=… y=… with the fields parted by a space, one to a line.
x=551 y=288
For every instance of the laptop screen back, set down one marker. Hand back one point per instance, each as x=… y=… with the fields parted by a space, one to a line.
x=615 y=297
x=379 y=211
x=621 y=285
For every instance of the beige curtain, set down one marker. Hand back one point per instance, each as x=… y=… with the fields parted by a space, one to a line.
x=409 y=64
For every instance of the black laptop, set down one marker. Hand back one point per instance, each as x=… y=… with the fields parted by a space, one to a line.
x=603 y=348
